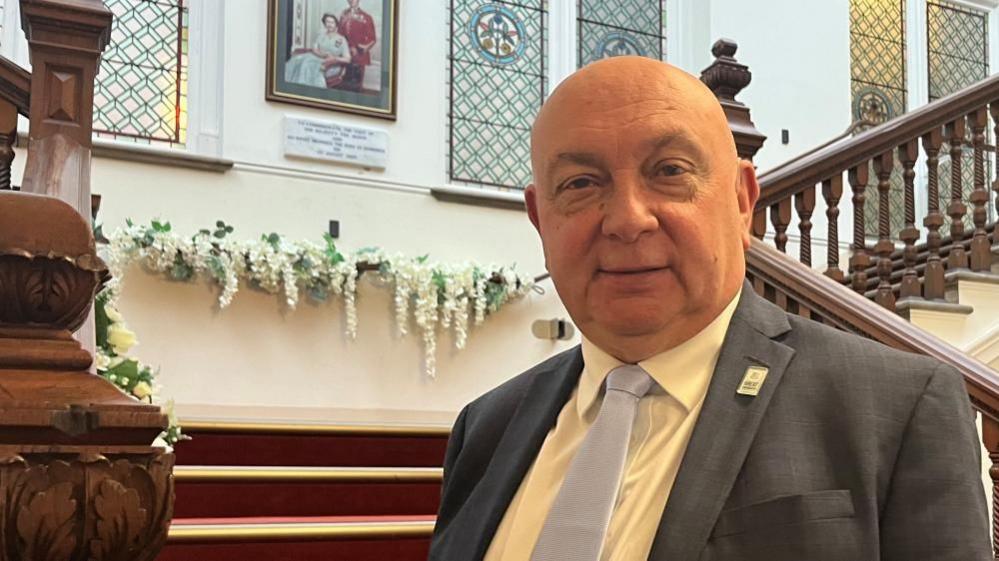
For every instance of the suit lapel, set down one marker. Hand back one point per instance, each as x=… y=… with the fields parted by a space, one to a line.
x=725 y=429
x=474 y=526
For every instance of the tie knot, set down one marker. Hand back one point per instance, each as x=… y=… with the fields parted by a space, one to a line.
x=630 y=378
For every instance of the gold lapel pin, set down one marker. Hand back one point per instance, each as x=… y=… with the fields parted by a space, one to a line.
x=752 y=381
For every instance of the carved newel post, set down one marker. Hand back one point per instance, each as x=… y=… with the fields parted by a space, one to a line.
x=78 y=477
x=726 y=78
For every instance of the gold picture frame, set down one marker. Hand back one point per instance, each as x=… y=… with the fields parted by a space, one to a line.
x=334 y=54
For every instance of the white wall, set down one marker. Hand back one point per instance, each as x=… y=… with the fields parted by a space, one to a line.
x=799 y=54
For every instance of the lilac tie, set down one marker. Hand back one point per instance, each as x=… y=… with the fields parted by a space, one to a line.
x=575 y=527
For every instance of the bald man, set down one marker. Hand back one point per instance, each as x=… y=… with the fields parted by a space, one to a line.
x=761 y=436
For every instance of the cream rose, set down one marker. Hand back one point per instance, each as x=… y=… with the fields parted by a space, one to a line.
x=121 y=338
x=142 y=390
x=113 y=314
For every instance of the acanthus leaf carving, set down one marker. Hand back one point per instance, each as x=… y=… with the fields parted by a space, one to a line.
x=121 y=521
x=46 y=524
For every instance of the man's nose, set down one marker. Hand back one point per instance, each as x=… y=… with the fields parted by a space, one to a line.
x=627 y=211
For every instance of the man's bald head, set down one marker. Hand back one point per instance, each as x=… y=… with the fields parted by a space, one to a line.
x=618 y=82
x=641 y=202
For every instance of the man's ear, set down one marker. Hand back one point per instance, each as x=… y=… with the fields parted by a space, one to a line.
x=748 y=192
x=531 y=200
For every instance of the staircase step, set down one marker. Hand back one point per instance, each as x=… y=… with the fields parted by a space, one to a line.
x=226 y=491
x=311 y=444
x=328 y=538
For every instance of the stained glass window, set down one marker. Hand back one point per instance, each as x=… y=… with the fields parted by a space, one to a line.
x=957 y=50
x=497 y=84
x=141 y=89
x=878 y=87
x=624 y=27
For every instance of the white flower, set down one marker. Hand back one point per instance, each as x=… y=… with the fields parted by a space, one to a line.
x=101 y=360
x=454 y=299
x=121 y=338
x=142 y=390
x=113 y=315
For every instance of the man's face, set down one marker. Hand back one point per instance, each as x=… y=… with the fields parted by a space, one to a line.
x=641 y=204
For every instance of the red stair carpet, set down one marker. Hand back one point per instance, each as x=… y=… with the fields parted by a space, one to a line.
x=303 y=492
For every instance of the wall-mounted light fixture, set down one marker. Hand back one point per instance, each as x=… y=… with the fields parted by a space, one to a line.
x=554 y=329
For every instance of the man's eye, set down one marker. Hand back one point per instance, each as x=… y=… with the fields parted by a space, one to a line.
x=670 y=170
x=578 y=183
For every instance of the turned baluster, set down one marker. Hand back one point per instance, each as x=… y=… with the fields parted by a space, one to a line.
x=994 y=109
x=933 y=276
x=859 y=260
x=990 y=437
x=780 y=217
x=804 y=203
x=910 y=287
x=981 y=256
x=958 y=257
x=8 y=133
x=883 y=166
x=832 y=191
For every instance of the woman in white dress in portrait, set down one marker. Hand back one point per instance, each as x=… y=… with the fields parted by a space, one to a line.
x=324 y=64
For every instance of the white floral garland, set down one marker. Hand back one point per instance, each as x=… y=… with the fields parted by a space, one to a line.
x=431 y=293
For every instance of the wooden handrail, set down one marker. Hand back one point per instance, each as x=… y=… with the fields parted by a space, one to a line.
x=787 y=180
x=841 y=307
x=15 y=85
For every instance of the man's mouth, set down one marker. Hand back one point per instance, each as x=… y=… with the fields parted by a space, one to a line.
x=630 y=270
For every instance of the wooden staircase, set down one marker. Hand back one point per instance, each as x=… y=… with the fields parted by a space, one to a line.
x=267 y=491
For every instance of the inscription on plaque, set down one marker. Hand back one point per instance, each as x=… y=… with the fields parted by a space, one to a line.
x=326 y=140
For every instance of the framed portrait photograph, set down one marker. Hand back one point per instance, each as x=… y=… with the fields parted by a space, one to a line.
x=334 y=54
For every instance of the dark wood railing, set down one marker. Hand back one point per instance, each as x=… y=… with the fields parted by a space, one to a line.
x=880 y=271
x=916 y=271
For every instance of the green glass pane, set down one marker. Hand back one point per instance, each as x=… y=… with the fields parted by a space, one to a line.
x=141 y=85
x=497 y=85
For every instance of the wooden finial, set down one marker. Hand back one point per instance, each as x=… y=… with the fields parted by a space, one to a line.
x=726 y=77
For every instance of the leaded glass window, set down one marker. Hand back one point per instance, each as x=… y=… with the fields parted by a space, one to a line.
x=878 y=87
x=497 y=85
x=624 y=27
x=957 y=50
x=141 y=89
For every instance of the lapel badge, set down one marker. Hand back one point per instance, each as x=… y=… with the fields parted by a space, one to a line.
x=752 y=381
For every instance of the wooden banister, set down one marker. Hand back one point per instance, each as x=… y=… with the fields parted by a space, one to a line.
x=15 y=85
x=787 y=280
x=791 y=178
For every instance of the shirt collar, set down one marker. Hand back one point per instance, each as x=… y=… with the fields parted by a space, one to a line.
x=683 y=371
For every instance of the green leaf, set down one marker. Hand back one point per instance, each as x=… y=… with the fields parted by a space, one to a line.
x=219 y=224
x=180 y=269
x=101 y=321
x=128 y=368
x=129 y=223
x=215 y=266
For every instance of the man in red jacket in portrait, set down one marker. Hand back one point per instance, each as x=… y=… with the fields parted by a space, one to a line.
x=358 y=28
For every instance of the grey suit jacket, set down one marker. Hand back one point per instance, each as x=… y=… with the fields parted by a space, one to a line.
x=851 y=451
